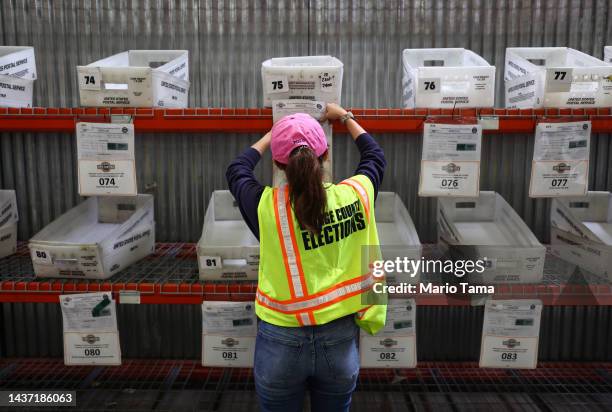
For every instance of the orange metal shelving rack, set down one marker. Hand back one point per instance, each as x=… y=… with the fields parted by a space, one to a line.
x=176 y=280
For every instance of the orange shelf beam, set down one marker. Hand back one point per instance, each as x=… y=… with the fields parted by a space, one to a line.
x=258 y=120
x=195 y=293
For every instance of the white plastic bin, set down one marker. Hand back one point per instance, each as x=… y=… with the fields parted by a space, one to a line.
x=555 y=77
x=227 y=249
x=446 y=78
x=136 y=78
x=17 y=75
x=306 y=77
x=581 y=231
x=396 y=233
x=488 y=227
x=8 y=222
x=95 y=239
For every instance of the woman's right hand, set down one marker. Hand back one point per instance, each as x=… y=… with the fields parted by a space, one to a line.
x=263 y=144
x=334 y=111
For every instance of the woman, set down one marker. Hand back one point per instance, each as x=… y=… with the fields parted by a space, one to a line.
x=312 y=283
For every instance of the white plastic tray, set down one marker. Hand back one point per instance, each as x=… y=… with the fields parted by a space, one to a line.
x=227 y=248
x=17 y=75
x=555 y=77
x=95 y=239
x=8 y=222
x=581 y=231
x=446 y=78
x=488 y=227
x=396 y=233
x=136 y=78
x=305 y=77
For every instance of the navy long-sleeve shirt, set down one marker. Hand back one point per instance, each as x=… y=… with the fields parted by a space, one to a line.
x=247 y=190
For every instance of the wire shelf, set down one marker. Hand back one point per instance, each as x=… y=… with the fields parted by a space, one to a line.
x=170 y=275
x=184 y=385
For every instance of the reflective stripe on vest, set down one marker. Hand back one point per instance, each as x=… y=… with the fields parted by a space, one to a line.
x=290 y=251
x=293 y=264
x=361 y=192
x=319 y=300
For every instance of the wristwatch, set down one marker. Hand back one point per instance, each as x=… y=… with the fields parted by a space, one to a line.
x=347 y=116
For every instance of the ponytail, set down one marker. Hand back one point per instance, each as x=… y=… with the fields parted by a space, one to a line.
x=305 y=178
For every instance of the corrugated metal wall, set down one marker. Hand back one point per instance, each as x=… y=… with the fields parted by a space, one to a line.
x=182 y=171
x=228 y=40
x=444 y=333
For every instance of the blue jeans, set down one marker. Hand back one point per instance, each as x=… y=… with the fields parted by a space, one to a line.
x=323 y=359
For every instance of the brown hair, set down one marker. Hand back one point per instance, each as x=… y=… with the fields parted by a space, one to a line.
x=305 y=178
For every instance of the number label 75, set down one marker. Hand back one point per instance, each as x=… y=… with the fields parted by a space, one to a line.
x=276 y=84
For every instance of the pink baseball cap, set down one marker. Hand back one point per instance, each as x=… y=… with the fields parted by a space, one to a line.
x=295 y=130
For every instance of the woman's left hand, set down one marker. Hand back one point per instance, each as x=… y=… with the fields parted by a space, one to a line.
x=334 y=111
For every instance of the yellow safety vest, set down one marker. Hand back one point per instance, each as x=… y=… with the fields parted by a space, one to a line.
x=306 y=279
